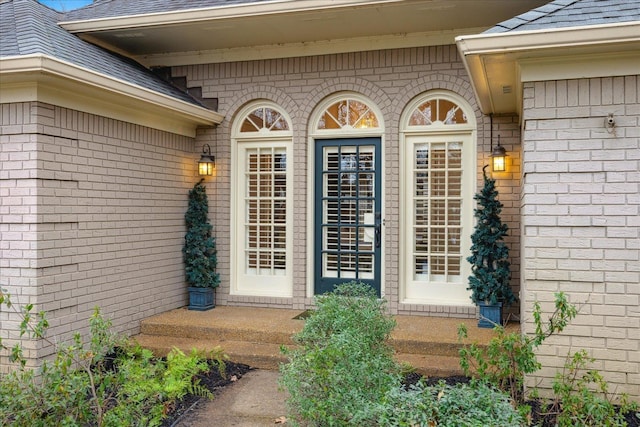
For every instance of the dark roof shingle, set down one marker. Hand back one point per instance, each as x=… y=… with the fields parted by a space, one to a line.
x=116 y=8
x=27 y=27
x=572 y=13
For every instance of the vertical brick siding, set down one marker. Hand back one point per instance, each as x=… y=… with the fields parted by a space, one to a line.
x=390 y=78
x=581 y=219
x=92 y=214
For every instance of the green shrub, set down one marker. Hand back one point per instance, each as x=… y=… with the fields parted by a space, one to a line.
x=343 y=374
x=105 y=382
x=415 y=406
x=582 y=396
x=475 y=404
x=509 y=356
x=343 y=365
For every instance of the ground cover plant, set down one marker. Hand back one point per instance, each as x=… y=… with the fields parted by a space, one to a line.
x=104 y=382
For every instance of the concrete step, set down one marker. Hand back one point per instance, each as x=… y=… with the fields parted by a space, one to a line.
x=269 y=355
x=254 y=336
x=229 y=323
x=256 y=355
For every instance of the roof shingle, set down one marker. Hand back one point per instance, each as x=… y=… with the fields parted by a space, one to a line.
x=27 y=27
x=572 y=13
x=117 y=8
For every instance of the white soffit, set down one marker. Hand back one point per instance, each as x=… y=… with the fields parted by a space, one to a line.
x=43 y=78
x=498 y=63
x=282 y=28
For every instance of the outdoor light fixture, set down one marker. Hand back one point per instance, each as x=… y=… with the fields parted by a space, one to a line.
x=499 y=158
x=498 y=154
x=207 y=162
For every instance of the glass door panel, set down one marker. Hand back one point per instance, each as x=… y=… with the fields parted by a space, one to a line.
x=348 y=217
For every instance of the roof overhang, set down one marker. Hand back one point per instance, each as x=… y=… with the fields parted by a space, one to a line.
x=499 y=63
x=287 y=28
x=43 y=78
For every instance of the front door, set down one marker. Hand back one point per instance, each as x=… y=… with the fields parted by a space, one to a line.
x=348 y=223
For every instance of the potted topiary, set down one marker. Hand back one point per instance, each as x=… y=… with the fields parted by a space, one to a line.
x=489 y=258
x=199 y=251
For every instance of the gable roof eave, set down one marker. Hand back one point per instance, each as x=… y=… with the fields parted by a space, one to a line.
x=499 y=63
x=39 y=77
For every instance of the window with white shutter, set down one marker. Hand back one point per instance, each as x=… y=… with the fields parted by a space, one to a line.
x=439 y=172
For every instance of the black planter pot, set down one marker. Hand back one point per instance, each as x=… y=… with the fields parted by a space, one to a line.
x=490 y=315
x=201 y=299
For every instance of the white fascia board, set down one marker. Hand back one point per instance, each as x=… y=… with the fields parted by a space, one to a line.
x=213 y=13
x=553 y=54
x=519 y=41
x=184 y=116
x=580 y=66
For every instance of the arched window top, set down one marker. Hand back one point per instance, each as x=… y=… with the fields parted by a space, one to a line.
x=438 y=109
x=263 y=119
x=348 y=113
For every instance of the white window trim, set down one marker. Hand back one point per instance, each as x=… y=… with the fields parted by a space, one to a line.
x=435 y=132
x=314 y=134
x=270 y=286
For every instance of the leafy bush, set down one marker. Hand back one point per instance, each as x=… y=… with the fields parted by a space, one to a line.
x=462 y=405
x=508 y=357
x=343 y=365
x=474 y=405
x=105 y=382
x=415 y=406
x=343 y=373
x=582 y=396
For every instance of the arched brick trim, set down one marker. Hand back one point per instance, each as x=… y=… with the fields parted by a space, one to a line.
x=454 y=84
x=346 y=84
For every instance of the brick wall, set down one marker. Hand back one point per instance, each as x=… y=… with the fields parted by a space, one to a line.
x=581 y=219
x=390 y=78
x=91 y=214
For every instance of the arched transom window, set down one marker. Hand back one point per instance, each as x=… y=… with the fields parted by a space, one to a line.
x=437 y=110
x=264 y=119
x=348 y=113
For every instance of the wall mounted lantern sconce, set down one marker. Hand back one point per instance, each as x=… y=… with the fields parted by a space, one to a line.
x=498 y=157
x=207 y=162
x=498 y=154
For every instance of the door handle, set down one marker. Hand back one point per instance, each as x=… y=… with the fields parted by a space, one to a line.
x=378 y=230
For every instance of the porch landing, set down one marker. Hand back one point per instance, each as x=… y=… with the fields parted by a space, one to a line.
x=254 y=335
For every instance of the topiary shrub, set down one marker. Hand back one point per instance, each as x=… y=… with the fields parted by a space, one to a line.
x=489 y=258
x=199 y=251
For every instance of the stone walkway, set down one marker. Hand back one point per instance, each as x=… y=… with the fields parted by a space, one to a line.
x=253 y=401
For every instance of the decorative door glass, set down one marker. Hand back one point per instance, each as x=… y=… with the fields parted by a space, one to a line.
x=348 y=223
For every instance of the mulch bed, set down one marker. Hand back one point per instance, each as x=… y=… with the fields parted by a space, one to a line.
x=213 y=381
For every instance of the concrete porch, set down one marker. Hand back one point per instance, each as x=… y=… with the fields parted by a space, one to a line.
x=254 y=335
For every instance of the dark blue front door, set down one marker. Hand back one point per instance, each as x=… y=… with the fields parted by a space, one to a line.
x=348 y=224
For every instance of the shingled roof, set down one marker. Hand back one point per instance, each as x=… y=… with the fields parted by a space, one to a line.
x=115 y=8
x=27 y=28
x=572 y=13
